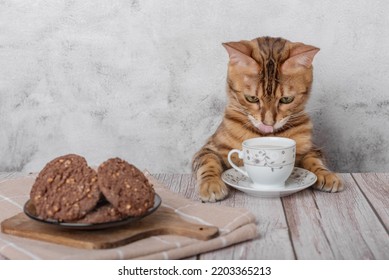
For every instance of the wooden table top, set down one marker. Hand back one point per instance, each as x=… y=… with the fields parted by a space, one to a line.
x=310 y=224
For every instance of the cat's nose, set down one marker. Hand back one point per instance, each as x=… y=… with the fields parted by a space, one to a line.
x=271 y=123
x=268 y=120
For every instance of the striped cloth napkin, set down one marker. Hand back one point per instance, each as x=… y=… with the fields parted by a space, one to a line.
x=235 y=225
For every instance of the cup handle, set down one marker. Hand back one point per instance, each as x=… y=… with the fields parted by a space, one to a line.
x=240 y=154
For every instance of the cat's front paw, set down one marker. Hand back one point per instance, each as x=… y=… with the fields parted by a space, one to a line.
x=328 y=181
x=212 y=190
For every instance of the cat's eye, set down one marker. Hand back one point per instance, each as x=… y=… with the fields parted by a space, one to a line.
x=286 y=99
x=251 y=99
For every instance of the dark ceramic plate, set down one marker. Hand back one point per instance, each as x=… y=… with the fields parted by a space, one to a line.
x=29 y=210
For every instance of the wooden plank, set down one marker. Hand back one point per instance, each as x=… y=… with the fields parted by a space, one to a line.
x=375 y=186
x=183 y=184
x=164 y=178
x=306 y=229
x=273 y=241
x=175 y=183
x=188 y=184
x=350 y=225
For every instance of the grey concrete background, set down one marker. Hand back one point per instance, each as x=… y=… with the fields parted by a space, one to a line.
x=145 y=80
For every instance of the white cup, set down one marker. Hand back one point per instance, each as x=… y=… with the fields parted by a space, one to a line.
x=268 y=161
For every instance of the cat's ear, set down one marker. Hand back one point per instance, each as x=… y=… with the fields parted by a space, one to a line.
x=300 y=57
x=240 y=53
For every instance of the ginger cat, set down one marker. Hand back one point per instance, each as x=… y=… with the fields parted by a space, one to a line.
x=268 y=86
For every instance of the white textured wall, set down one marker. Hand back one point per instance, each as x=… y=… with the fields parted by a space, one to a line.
x=144 y=80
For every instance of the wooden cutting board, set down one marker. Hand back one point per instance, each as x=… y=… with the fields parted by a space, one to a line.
x=163 y=221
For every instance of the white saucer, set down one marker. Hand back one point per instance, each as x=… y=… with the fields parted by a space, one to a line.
x=298 y=180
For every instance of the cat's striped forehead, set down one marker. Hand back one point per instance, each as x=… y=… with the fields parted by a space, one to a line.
x=270 y=53
x=267 y=49
x=268 y=67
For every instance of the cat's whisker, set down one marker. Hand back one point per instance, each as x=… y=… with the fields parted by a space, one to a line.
x=247 y=124
x=297 y=115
